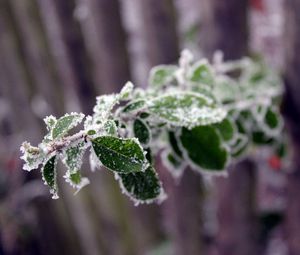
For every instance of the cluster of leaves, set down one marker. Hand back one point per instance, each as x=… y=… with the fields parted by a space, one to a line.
x=192 y=114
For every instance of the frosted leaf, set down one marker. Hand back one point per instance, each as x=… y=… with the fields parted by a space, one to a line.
x=94 y=161
x=186 y=109
x=33 y=156
x=204 y=90
x=271 y=123
x=218 y=60
x=173 y=141
x=259 y=112
x=173 y=163
x=161 y=75
x=72 y=155
x=76 y=180
x=134 y=106
x=106 y=103
x=72 y=159
x=180 y=76
x=239 y=146
x=186 y=58
x=49 y=175
x=120 y=155
x=138 y=93
x=202 y=72
x=64 y=124
x=141 y=131
x=126 y=91
x=88 y=122
x=142 y=187
x=50 y=121
x=104 y=106
x=226 y=89
x=203 y=147
x=110 y=127
x=227 y=129
x=245 y=121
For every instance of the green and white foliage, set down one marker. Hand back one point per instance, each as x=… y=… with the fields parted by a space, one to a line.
x=72 y=158
x=142 y=186
x=49 y=175
x=196 y=114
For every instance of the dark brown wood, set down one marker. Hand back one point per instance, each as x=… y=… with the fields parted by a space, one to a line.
x=35 y=56
x=225 y=28
x=15 y=87
x=67 y=49
x=113 y=63
x=182 y=211
x=236 y=214
x=291 y=111
x=160 y=35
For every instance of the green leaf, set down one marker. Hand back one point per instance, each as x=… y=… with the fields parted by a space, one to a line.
x=281 y=148
x=267 y=127
x=244 y=122
x=203 y=147
x=49 y=173
x=227 y=129
x=65 y=123
x=226 y=89
x=91 y=132
x=72 y=158
x=174 y=144
x=144 y=115
x=239 y=146
x=142 y=186
x=119 y=154
x=261 y=138
x=174 y=164
x=202 y=72
x=186 y=110
x=106 y=103
x=203 y=90
x=76 y=178
x=161 y=75
x=33 y=156
x=110 y=127
x=50 y=121
x=126 y=91
x=141 y=131
x=149 y=155
x=173 y=160
x=104 y=106
x=273 y=119
x=134 y=106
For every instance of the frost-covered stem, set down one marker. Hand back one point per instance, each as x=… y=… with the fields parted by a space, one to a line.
x=66 y=141
x=247 y=104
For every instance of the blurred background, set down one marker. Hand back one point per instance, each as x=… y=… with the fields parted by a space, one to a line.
x=56 y=56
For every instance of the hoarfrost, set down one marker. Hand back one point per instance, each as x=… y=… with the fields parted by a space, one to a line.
x=33 y=156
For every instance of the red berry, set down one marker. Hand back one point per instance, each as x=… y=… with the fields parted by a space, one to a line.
x=274 y=162
x=257 y=5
